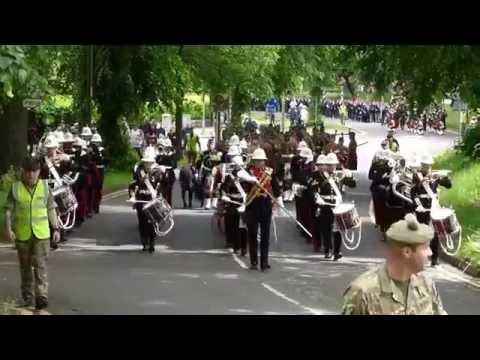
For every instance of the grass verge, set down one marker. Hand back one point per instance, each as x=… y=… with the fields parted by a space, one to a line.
x=116 y=180
x=464 y=197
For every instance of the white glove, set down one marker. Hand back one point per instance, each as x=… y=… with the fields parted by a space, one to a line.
x=420 y=209
x=280 y=202
x=244 y=176
x=318 y=200
x=225 y=198
x=394 y=179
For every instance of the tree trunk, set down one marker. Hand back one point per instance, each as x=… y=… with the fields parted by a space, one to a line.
x=112 y=136
x=13 y=137
x=349 y=86
x=178 y=125
x=240 y=104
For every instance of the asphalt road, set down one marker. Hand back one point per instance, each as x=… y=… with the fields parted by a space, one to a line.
x=101 y=269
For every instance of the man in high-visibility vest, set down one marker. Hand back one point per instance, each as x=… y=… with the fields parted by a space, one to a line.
x=29 y=209
x=192 y=145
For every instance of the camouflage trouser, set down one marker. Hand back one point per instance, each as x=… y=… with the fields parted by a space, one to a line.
x=33 y=254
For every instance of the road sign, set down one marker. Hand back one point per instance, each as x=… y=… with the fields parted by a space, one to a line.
x=459 y=105
x=31 y=103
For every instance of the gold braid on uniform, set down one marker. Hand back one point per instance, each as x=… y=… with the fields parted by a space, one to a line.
x=256 y=190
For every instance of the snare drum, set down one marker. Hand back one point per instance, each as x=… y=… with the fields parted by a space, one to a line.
x=65 y=200
x=346 y=217
x=445 y=222
x=157 y=211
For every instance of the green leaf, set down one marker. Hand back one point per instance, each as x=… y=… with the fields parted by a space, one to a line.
x=7 y=88
x=5 y=62
x=22 y=75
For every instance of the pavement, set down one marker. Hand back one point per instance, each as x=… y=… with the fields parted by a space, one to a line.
x=102 y=270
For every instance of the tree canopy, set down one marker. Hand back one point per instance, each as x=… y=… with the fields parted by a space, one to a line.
x=133 y=81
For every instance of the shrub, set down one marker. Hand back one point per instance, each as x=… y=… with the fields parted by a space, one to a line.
x=470 y=139
x=125 y=161
x=7 y=179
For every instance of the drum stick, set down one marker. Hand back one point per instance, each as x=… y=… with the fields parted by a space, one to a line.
x=137 y=201
x=285 y=210
x=275 y=229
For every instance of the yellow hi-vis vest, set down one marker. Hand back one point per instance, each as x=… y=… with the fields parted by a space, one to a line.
x=31 y=213
x=192 y=142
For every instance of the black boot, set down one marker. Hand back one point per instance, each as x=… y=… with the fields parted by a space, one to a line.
x=41 y=303
x=264 y=267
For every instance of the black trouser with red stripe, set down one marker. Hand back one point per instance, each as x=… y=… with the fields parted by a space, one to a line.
x=259 y=213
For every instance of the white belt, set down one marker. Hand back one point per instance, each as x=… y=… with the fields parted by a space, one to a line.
x=100 y=166
x=235 y=196
x=330 y=197
x=424 y=196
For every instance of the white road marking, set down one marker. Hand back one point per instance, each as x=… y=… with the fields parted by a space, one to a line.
x=241 y=310
x=292 y=301
x=239 y=261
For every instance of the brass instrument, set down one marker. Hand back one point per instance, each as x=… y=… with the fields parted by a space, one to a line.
x=256 y=190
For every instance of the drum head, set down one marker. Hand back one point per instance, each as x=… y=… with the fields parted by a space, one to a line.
x=343 y=208
x=441 y=214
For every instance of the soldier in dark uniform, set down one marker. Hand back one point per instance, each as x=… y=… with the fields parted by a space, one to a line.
x=81 y=160
x=232 y=195
x=303 y=202
x=98 y=157
x=379 y=175
x=331 y=146
x=352 y=152
x=422 y=199
x=326 y=196
x=342 y=152
x=53 y=167
x=312 y=188
x=392 y=143
x=259 y=207
x=145 y=187
x=167 y=158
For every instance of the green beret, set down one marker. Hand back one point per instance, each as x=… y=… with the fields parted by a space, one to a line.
x=410 y=232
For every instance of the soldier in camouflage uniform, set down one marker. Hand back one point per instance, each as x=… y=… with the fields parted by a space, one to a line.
x=397 y=287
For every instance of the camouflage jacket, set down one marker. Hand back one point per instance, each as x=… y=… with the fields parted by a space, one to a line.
x=375 y=293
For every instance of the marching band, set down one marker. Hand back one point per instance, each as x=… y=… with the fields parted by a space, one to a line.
x=247 y=180
x=73 y=165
